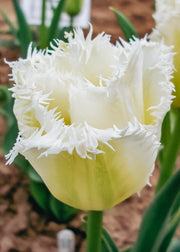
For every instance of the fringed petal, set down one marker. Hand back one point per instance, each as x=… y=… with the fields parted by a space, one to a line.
x=98 y=183
x=89 y=115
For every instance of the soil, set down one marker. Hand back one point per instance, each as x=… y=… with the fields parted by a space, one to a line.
x=23 y=225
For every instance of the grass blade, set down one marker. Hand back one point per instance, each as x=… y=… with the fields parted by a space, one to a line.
x=7 y=43
x=43 y=29
x=25 y=34
x=55 y=21
x=157 y=215
x=107 y=244
x=171 y=226
x=127 y=28
x=12 y=28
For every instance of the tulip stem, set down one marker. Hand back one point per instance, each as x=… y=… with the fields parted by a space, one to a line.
x=94 y=229
x=71 y=22
x=170 y=151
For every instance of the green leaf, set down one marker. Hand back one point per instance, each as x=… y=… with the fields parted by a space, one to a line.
x=153 y=6
x=127 y=28
x=12 y=28
x=7 y=43
x=126 y=250
x=108 y=244
x=43 y=30
x=25 y=34
x=175 y=246
x=61 y=211
x=33 y=175
x=49 y=204
x=165 y=136
x=55 y=21
x=5 y=33
x=10 y=138
x=153 y=226
x=6 y=110
x=43 y=13
x=3 y=112
x=22 y=163
x=171 y=226
x=41 y=194
x=4 y=94
x=171 y=149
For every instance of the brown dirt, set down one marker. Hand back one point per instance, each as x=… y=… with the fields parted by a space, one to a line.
x=23 y=226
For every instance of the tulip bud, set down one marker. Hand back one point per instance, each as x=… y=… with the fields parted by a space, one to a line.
x=167 y=19
x=73 y=7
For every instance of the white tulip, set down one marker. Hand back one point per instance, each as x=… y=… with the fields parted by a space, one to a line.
x=167 y=19
x=89 y=116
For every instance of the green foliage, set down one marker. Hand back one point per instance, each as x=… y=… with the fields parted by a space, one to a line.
x=41 y=194
x=7 y=43
x=6 y=102
x=170 y=146
x=12 y=28
x=108 y=244
x=165 y=134
x=61 y=211
x=3 y=93
x=6 y=109
x=175 y=246
x=126 y=250
x=127 y=28
x=22 y=163
x=154 y=5
x=12 y=31
x=25 y=34
x=43 y=29
x=10 y=138
x=54 y=22
x=161 y=219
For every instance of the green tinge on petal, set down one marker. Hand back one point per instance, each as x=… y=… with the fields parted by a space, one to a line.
x=99 y=183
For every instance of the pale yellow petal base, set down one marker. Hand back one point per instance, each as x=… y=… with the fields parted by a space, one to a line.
x=97 y=184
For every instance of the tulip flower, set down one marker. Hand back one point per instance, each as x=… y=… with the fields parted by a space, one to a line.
x=89 y=115
x=167 y=19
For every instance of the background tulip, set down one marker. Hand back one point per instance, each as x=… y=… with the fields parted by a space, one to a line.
x=89 y=115
x=167 y=19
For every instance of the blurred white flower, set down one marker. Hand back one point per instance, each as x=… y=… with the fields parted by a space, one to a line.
x=90 y=114
x=167 y=19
